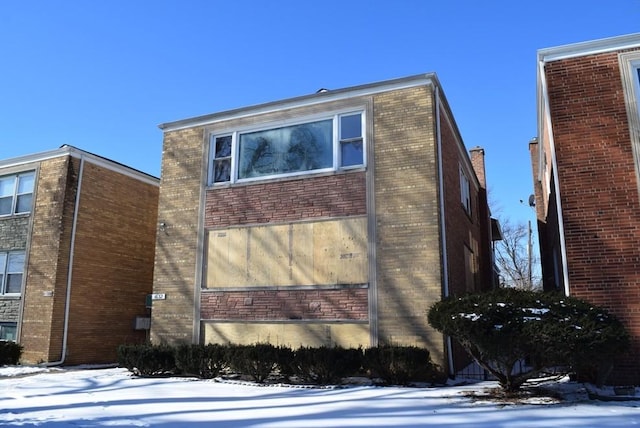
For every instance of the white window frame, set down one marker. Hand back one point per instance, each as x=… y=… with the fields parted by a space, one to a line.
x=465 y=192
x=4 y=272
x=3 y=334
x=15 y=194
x=629 y=65
x=336 y=146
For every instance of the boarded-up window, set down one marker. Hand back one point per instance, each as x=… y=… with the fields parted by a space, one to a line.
x=308 y=253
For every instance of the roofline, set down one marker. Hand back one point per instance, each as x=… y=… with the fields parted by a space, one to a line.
x=305 y=100
x=67 y=150
x=589 y=48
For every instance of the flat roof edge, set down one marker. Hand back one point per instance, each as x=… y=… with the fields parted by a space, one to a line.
x=67 y=150
x=304 y=100
x=589 y=47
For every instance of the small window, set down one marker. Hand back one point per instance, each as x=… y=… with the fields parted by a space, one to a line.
x=351 y=142
x=11 y=272
x=222 y=159
x=465 y=192
x=8 y=331
x=16 y=193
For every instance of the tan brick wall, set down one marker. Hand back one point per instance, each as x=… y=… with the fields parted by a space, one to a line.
x=46 y=272
x=177 y=246
x=293 y=335
x=407 y=227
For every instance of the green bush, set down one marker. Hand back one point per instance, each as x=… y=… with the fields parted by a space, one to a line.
x=10 y=353
x=401 y=365
x=257 y=361
x=147 y=360
x=326 y=365
x=505 y=326
x=204 y=361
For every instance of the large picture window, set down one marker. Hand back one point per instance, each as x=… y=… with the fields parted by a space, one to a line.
x=285 y=150
x=16 y=193
x=11 y=271
x=326 y=144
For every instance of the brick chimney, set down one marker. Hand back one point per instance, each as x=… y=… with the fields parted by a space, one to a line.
x=477 y=160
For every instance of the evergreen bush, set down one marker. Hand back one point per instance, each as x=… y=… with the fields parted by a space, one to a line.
x=326 y=365
x=146 y=359
x=400 y=365
x=505 y=326
x=204 y=361
x=257 y=361
x=10 y=353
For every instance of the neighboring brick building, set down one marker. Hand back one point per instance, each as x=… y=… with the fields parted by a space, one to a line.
x=77 y=239
x=585 y=164
x=333 y=218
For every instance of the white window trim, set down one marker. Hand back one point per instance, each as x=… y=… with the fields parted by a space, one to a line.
x=14 y=200
x=465 y=192
x=629 y=65
x=9 y=324
x=5 y=273
x=235 y=149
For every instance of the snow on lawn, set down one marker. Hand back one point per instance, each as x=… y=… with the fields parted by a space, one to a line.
x=107 y=397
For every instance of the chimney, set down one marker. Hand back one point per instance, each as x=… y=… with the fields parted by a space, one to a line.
x=477 y=160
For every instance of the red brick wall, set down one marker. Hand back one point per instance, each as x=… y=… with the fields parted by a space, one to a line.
x=598 y=188
x=334 y=195
x=339 y=304
x=459 y=225
x=325 y=196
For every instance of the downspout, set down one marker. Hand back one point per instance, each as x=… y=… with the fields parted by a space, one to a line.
x=67 y=304
x=556 y=182
x=443 y=231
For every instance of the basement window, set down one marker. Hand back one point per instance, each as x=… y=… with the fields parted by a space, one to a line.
x=325 y=144
x=8 y=331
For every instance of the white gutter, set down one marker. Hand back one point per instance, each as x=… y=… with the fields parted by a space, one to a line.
x=443 y=231
x=65 y=331
x=545 y=116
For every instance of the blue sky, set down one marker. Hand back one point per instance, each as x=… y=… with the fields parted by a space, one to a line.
x=101 y=75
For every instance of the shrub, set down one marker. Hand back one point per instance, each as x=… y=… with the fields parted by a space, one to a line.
x=326 y=365
x=400 y=365
x=147 y=360
x=204 y=361
x=10 y=353
x=504 y=326
x=256 y=361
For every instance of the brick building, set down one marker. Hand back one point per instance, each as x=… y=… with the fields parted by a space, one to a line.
x=332 y=218
x=77 y=239
x=585 y=167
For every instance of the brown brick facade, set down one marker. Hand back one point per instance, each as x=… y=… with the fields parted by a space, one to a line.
x=101 y=275
x=41 y=330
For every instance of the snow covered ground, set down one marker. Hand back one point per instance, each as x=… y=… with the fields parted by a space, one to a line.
x=107 y=397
